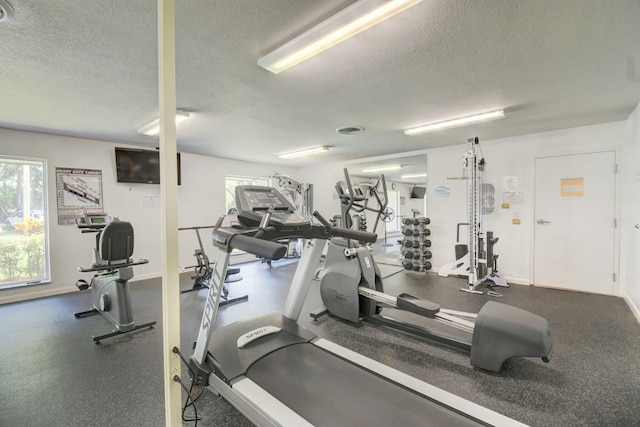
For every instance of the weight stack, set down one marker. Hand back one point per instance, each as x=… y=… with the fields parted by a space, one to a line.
x=415 y=244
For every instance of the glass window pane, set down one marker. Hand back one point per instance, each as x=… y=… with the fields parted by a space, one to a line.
x=23 y=218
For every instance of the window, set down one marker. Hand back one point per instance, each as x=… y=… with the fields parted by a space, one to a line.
x=24 y=253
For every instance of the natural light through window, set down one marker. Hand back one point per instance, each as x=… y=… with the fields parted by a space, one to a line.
x=23 y=230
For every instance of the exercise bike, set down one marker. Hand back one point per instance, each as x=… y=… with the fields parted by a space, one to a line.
x=113 y=268
x=203 y=272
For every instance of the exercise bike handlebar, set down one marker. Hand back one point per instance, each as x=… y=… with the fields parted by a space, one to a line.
x=262 y=248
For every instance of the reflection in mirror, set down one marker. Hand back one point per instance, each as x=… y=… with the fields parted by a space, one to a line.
x=406 y=179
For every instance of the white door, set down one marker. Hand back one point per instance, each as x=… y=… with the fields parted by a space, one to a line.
x=635 y=243
x=575 y=222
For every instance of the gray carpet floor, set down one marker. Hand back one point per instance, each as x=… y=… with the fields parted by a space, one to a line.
x=52 y=374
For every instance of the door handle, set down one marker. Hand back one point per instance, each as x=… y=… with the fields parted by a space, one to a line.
x=542 y=222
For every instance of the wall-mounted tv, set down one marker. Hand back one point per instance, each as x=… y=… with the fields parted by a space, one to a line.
x=418 y=192
x=139 y=166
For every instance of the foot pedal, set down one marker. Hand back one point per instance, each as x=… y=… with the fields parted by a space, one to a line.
x=82 y=284
x=318 y=312
x=417 y=305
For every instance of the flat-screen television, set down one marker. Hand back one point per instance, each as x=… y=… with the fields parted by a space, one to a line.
x=139 y=166
x=418 y=192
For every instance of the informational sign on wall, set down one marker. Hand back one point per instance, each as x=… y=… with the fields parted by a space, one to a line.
x=513 y=197
x=78 y=191
x=488 y=198
x=572 y=187
x=442 y=191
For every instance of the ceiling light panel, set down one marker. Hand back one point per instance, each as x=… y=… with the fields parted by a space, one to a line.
x=351 y=20
x=413 y=175
x=462 y=121
x=383 y=168
x=304 y=152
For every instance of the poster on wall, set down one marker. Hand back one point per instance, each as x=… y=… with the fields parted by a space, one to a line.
x=78 y=191
x=442 y=191
x=488 y=198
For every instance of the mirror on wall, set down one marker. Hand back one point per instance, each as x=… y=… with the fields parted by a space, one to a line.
x=406 y=178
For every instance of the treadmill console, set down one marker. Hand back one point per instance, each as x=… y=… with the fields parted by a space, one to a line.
x=253 y=203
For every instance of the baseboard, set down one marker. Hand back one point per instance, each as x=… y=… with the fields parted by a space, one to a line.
x=517 y=281
x=50 y=292
x=632 y=306
x=510 y=280
x=139 y=277
x=38 y=294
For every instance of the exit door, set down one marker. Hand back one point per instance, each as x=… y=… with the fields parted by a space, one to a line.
x=575 y=222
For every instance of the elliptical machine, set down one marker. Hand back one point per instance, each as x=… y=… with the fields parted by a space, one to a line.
x=351 y=288
x=353 y=198
x=113 y=268
x=203 y=272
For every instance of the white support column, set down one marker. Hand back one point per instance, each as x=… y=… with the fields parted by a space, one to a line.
x=169 y=200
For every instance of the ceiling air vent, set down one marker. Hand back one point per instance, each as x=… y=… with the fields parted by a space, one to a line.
x=350 y=130
x=6 y=11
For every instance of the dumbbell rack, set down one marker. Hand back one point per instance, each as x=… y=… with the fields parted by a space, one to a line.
x=362 y=223
x=416 y=244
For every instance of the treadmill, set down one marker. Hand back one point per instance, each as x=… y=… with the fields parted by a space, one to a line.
x=277 y=373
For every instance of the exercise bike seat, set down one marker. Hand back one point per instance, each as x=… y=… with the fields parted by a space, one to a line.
x=114 y=248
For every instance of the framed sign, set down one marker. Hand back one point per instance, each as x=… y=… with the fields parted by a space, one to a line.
x=78 y=191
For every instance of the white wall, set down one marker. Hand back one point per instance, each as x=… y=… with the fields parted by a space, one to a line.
x=201 y=201
x=506 y=157
x=630 y=215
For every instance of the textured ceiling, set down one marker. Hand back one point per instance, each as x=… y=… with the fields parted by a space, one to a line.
x=89 y=69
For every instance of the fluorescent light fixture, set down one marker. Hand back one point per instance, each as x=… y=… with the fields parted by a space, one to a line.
x=383 y=168
x=304 y=152
x=351 y=20
x=153 y=128
x=493 y=115
x=413 y=175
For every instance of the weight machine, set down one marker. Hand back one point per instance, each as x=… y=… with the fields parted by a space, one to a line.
x=479 y=263
x=300 y=195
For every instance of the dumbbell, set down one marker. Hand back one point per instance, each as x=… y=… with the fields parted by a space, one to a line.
x=415 y=232
x=416 y=221
x=421 y=250
x=408 y=243
x=417 y=255
x=416 y=266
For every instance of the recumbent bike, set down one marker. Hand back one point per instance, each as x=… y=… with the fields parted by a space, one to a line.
x=113 y=268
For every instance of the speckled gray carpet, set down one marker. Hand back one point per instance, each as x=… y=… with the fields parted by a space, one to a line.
x=51 y=373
